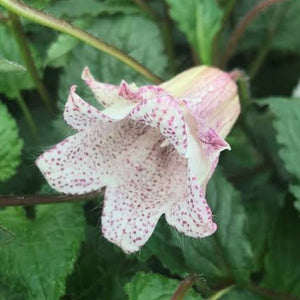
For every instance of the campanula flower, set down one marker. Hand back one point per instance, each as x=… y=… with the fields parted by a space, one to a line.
x=154 y=148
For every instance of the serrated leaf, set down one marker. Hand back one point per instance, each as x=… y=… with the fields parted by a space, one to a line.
x=12 y=83
x=217 y=257
x=10 y=144
x=135 y=35
x=10 y=66
x=155 y=287
x=281 y=275
x=287 y=124
x=200 y=20
x=43 y=251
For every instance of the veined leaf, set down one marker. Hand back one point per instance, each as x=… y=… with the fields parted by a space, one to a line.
x=38 y=260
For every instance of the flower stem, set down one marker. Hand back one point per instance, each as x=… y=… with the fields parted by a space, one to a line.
x=241 y=27
x=49 y=21
x=44 y=199
x=27 y=114
x=28 y=59
x=184 y=286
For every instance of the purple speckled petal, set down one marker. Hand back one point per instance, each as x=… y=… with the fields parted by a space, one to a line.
x=191 y=214
x=106 y=94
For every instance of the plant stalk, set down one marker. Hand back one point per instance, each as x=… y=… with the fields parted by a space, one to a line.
x=184 y=286
x=41 y=18
x=28 y=59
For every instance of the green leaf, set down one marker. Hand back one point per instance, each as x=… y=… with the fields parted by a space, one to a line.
x=155 y=287
x=217 y=257
x=282 y=275
x=101 y=270
x=9 y=66
x=43 y=251
x=12 y=83
x=135 y=35
x=10 y=144
x=200 y=20
x=287 y=124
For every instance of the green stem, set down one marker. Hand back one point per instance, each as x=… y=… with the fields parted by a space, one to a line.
x=241 y=27
x=28 y=59
x=49 y=21
x=27 y=114
x=184 y=286
x=220 y=293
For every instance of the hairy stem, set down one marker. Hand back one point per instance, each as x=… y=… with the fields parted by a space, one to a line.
x=184 y=286
x=27 y=114
x=241 y=27
x=28 y=59
x=44 y=199
x=49 y=21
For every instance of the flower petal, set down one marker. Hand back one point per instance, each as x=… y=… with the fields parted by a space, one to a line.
x=191 y=214
x=129 y=216
x=79 y=114
x=91 y=159
x=165 y=114
x=106 y=94
x=70 y=168
x=132 y=208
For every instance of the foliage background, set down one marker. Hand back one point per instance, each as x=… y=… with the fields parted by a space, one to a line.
x=55 y=251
